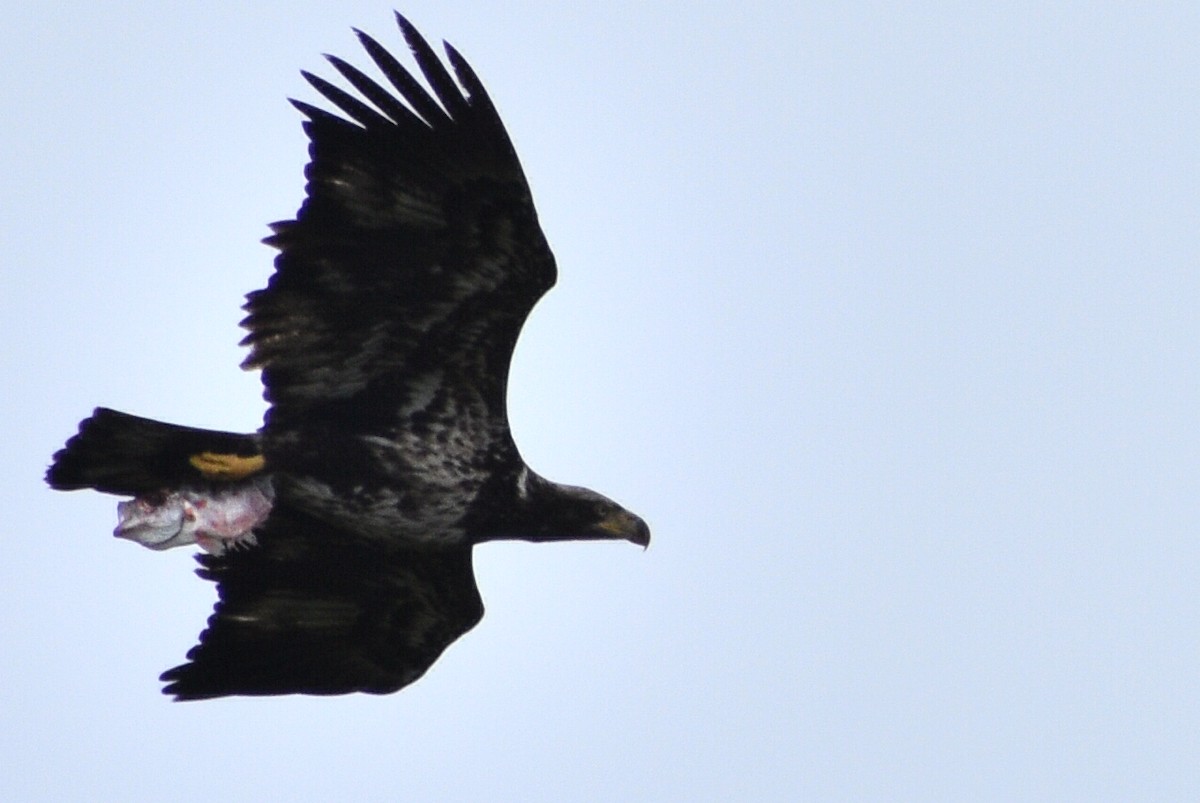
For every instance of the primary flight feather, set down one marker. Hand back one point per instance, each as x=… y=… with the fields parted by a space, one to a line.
x=340 y=534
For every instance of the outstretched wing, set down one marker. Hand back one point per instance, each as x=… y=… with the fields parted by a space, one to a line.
x=415 y=258
x=310 y=610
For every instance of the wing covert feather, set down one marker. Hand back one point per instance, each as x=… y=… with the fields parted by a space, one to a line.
x=310 y=610
x=417 y=244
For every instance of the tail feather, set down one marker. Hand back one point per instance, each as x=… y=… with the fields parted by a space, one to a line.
x=124 y=454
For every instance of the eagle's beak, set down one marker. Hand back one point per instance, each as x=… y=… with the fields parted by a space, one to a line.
x=641 y=533
x=624 y=524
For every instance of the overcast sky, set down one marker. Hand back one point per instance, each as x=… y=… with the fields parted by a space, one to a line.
x=884 y=318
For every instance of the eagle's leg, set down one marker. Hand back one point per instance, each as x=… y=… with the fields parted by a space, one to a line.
x=217 y=466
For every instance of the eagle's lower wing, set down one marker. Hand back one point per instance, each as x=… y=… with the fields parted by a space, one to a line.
x=414 y=259
x=313 y=611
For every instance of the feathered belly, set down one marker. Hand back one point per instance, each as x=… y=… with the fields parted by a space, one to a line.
x=417 y=514
x=407 y=490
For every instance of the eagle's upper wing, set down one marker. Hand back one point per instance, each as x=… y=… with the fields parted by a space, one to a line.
x=415 y=257
x=307 y=611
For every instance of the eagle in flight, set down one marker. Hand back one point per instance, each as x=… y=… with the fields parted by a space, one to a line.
x=340 y=534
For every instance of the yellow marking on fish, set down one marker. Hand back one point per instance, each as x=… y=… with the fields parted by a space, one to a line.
x=229 y=467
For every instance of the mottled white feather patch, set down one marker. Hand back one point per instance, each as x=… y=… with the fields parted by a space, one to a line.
x=523 y=484
x=424 y=389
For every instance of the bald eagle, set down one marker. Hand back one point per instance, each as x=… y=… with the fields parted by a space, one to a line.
x=340 y=534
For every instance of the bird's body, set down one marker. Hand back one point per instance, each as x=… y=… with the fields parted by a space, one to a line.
x=340 y=534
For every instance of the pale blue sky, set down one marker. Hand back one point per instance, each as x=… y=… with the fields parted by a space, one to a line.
x=884 y=318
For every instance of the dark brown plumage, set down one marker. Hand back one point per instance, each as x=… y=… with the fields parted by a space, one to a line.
x=384 y=339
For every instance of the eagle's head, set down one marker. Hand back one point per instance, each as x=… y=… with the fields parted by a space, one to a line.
x=551 y=511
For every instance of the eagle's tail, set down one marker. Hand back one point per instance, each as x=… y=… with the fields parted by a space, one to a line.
x=123 y=454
